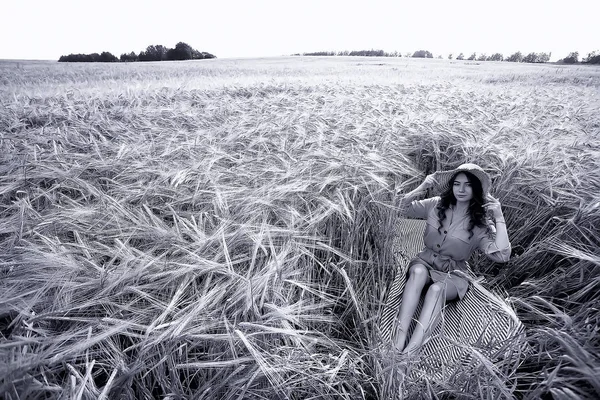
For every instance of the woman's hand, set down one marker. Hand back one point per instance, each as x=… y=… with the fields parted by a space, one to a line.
x=502 y=242
x=493 y=206
x=429 y=182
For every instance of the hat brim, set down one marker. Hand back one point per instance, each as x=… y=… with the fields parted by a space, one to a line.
x=444 y=178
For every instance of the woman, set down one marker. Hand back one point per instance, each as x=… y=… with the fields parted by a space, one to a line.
x=456 y=227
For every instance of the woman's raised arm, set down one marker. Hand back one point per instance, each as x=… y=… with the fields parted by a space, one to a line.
x=498 y=250
x=408 y=198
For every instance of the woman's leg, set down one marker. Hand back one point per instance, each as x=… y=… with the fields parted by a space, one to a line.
x=418 y=276
x=436 y=297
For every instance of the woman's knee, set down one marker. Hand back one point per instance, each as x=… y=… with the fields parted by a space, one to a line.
x=436 y=290
x=418 y=271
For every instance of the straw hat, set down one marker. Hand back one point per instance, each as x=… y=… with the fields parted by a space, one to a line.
x=443 y=177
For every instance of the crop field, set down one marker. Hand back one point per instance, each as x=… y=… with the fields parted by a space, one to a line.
x=222 y=229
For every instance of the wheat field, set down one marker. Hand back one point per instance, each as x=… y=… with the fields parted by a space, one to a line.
x=221 y=229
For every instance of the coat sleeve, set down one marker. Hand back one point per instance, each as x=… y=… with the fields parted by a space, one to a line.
x=421 y=208
x=487 y=244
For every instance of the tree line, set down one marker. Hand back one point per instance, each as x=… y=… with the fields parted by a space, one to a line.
x=515 y=57
x=572 y=58
x=181 y=51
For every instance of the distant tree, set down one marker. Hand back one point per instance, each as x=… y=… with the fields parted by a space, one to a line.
x=450 y=56
x=368 y=53
x=154 y=53
x=200 y=55
x=407 y=55
x=536 y=58
x=422 y=54
x=182 y=51
x=129 y=57
x=530 y=58
x=482 y=57
x=160 y=52
x=197 y=55
x=105 y=56
x=572 y=58
x=495 y=57
x=516 y=57
x=472 y=57
x=543 y=57
x=461 y=56
x=320 y=53
x=592 y=58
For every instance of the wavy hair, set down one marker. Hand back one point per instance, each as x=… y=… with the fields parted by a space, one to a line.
x=476 y=209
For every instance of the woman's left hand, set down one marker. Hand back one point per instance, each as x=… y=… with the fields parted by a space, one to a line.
x=493 y=205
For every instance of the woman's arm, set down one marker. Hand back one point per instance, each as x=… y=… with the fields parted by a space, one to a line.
x=502 y=244
x=412 y=195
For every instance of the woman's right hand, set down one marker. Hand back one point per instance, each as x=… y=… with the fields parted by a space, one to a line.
x=429 y=182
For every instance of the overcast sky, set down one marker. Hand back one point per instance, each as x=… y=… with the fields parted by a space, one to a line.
x=47 y=29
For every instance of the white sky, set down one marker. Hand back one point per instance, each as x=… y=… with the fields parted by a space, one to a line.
x=47 y=29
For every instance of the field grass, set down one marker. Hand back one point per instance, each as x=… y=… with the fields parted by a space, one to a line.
x=221 y=229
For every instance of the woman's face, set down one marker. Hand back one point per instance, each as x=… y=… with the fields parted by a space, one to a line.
x=462 y=189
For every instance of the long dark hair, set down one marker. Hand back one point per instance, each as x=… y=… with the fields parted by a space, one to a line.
x=476 y=209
